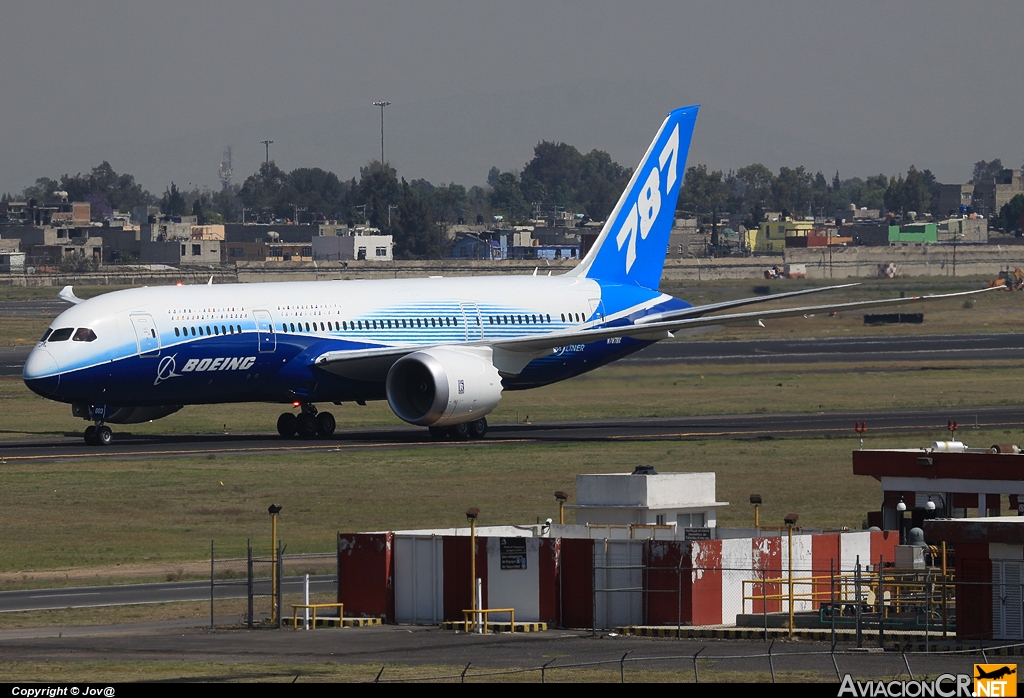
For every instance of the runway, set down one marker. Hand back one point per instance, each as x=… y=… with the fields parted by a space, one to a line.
x=742 y=426
x=135 y=594
x=941 y=347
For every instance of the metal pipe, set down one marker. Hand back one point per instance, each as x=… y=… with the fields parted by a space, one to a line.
x=273 y=566
x=211 y=584
x=791 y=619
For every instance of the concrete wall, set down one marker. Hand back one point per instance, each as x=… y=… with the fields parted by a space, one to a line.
x=850 y=262
x=664 y=490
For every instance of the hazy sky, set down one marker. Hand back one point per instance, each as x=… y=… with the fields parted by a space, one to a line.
x=159 y=89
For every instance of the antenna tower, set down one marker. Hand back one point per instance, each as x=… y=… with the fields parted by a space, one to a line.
x=226 y=170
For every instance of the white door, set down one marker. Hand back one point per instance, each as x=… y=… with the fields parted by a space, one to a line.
x=1007 y=606
x=618 y=583
x=265 y=330
x=146 y=334
x=419 y=580
x=471 y=317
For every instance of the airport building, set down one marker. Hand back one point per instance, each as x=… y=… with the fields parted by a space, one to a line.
x=647 y=552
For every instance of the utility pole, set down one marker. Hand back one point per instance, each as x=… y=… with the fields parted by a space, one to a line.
x=381 y=103
x=267 y=145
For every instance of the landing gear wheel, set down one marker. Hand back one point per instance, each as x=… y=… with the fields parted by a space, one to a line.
x=305 y=425
x=459 y=432
x=325 y=424
x=478 y=429
x=90 y=436
x=438 y=433
x=104 y=437
x=286 y=425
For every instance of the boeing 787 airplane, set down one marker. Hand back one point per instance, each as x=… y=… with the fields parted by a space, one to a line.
x=439 y=350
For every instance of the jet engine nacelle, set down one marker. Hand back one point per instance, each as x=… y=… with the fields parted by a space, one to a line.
x=439 y=386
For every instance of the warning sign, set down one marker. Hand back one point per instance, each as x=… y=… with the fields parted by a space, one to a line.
x=513 y=553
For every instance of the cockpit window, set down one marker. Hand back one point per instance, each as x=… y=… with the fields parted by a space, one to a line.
x=84 y=334
x=46 y=334
x=61 y=335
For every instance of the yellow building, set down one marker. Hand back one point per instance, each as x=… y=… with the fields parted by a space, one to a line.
x=770 y=236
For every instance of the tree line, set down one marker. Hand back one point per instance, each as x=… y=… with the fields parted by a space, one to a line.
x=558 y=178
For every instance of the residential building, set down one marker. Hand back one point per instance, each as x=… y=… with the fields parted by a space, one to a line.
x=178 y=252
x=990 y=196
x=357 y=244
x=770 y=236
x=953 y=196
x=963 y=230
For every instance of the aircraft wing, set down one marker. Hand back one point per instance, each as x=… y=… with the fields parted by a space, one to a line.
x=652 y=327
x=510 y=356
x=699 y=310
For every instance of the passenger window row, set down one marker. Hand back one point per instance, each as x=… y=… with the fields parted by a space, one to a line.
x=210 y=331
x=393 y=324
x=532 y=319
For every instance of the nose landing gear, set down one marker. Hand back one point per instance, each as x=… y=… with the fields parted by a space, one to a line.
x=308 y=424
x=99 y=435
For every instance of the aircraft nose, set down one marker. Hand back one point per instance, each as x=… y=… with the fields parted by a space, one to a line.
x=41 y=372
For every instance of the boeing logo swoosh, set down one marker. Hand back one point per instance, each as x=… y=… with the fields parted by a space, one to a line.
x=165 y=370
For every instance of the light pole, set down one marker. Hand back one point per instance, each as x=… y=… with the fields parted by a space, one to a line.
x=266 y=144
x=472 y=515
x=561 y=497
x=901 y=508
x=274 y=510
x=791 y=520
x=381 y=103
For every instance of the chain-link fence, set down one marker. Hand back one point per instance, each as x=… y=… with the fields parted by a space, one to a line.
x=258 y=591
x=744 y=662
x=309 y=578
x=868 y=604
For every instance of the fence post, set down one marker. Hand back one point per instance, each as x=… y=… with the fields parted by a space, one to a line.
x=764 y=601
x=211 y=585
x=280 y=583
x=593 y=590
x=928 y=614
x=696 y=674
x=881 y=604
x=248 y=547
x=909 y=670
x=832 y=595
x=543 y=670
x=679 y=599
x=771 y=662
x=622 y=668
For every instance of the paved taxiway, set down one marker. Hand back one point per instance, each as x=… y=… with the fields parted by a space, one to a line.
x=285 y=652
x=135 y=594
x=748 y=426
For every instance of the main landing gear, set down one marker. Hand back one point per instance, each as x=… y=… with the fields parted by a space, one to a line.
x=98 y=435
x=307 y=424
x=460 y=432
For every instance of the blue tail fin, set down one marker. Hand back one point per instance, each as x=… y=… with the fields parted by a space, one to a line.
x=632 y=245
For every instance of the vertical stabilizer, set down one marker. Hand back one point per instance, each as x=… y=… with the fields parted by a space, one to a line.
x=632 y=245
